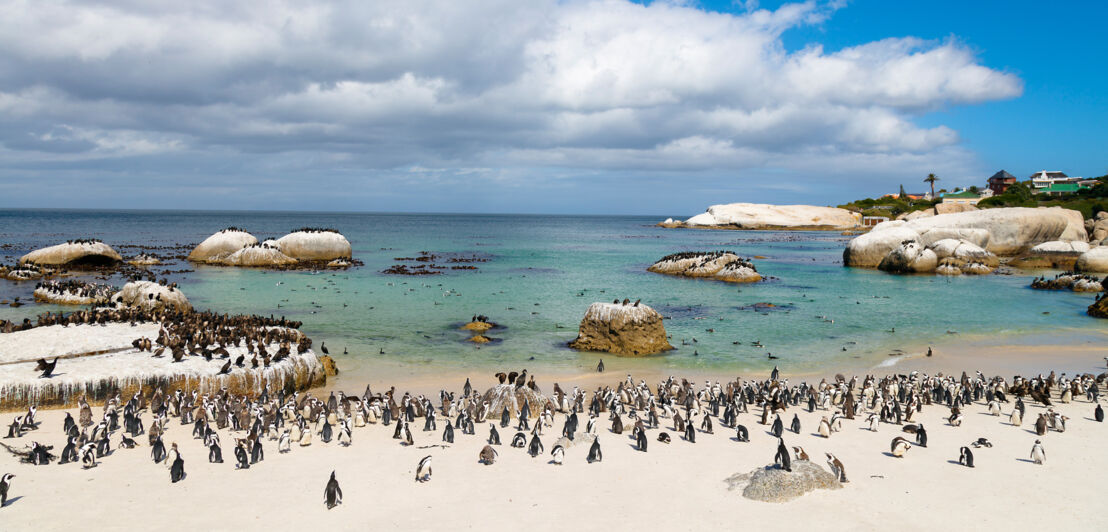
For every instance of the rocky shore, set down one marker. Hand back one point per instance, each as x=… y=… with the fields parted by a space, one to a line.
x=770 y=217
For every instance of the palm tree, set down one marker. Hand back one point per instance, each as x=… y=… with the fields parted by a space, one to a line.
x=931 y=178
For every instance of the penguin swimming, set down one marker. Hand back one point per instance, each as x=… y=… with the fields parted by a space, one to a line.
x=782 y=458
x=332 y=494
x=837 y=468
x=423 y=470
x=966 y=457
x=594 y=452
x=1038 y=454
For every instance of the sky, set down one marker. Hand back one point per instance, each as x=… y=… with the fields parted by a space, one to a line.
x=542 y=106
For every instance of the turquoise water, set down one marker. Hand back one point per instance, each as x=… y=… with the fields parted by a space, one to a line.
x=540 y=276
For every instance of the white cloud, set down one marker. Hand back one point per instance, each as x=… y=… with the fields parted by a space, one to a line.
x=490 y=84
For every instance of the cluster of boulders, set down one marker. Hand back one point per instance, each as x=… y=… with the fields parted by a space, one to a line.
x=304 y=247
x=944 y=257
x=719 y=265
x=72 y=292
x=622 y=328
x=765 y=216
x=1099 y=308
x=24 y=272
x=1069 y=281
x=151 y=297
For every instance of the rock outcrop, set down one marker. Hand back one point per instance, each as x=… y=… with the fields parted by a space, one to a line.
x=144 y=260
x=309 y=244
x=772 y=484
x=1095 y=260
x=621 y=329
x=72 y=292
x=765 y=216
x=24 y=272
x=1054 y=254
x=1099 y=308
x=512 y=397
x=909 y=257
x=75 y=253
x=944 y=257
x=1098 y=231
x=217 y=247
x=1003 y=232
x=150 y=296
x=258 y=256
x=719 y=265
x=1069 y=281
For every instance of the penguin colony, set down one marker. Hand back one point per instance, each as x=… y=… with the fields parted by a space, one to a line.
x=151 y=418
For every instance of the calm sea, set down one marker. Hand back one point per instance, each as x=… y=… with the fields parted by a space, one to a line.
x=541 y=274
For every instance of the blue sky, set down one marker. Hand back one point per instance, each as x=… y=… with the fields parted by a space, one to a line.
x=545 y=106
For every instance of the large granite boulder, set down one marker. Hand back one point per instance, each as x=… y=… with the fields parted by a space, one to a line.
x=1095 y=260
x=72 y=292
x=963 y=252
x=310 y=244
x=74 y=253
x=909 y=257
x=217 y=247
x=513 y=397
x=773 y=484
x=1004 y=232
x=621 y=329
x=1099 y=308
x=151 y=296
x=1053 y=254
x=1099 y=227
x=765 y=216
x=720 y=265
x=262 y=255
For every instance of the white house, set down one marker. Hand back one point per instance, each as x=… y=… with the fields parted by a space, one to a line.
x=1045 y=178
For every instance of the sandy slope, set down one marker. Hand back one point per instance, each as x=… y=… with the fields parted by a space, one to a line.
x=679 y=486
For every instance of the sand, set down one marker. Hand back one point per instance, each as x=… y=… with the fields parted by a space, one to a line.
x=678 y=486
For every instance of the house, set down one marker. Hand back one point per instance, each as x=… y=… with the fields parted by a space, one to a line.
x=1000 y=182
x=1044 y=178
x=1058 y=189
x=870 y=221
x=964 y=197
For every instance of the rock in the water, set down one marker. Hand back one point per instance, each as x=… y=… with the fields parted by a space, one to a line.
x=621 y=329
x=720 y=265
x=329 y=366
x=1099 y=308
x=1094 y=260
x=512 y=396
x=1053 y=254
x=218 y=246
x=910 y=257
x=310 y=244
x=72 y=292
x=771 y=484
x=144 y=260
x=764 y=216
x=74 y=253
x=1004 y=232
x=151 y=296
x=259 y=256
x=1078 y=282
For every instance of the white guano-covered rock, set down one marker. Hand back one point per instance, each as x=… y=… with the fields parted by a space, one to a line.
x=73 y=253
x=966 y=252
x=151 y=296
x=765 y=216
x=218 y=246
x=259 y=256
x=315 y=245
x=1095 y=260
x=621 y=329
x=910 y=257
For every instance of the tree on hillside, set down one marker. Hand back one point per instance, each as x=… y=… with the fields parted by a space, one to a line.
x=930 y=179
x=902 y=195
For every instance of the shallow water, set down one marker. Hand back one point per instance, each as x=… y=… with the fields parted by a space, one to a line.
x=543 y=271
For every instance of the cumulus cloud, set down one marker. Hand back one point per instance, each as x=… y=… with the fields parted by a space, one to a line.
x=523 y=91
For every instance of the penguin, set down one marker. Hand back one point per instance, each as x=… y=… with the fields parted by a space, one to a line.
x=494 y=436
x=741 y=434
x=256 y=452
x=663 y=437
x=1098 y=414
x=782 y=457
x=594 y=452
x=505 y=417
x=467 y=389
x=899 y=446
x=837 y=468
x=777 y=428
x=519 y=441
x=15 y=430
x=773 y=375
x=1038 y=454
x=535 y=447
x=640 y=439
x=600 y=366
x=177 y=470
x=800 y=454
x=215 y=454
x=5 y=486
x=88 y=455
x=1016 y=419
x=408 y=435
x=921 y=436
x=423 y=470
x=558 y=454
x=332 y=494
x=69 y=453
x=242 y=461
x=487 y=455
x=966 y=457
x=157 y=450
x=690 y=433
x=1040 y=425
x=284 y=444
x=448 y=433
x=824 y=427
x=982 y=442
x=47 y=368
x=795 y=425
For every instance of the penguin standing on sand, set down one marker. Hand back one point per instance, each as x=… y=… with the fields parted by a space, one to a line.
x=494 y=436
x=177 y=470
x=690 y=432
x=1098 y=414
x=594 y=452
x=741 y=434
x=795 y=425
x=332 y=494
x=921 y=436
x=242 y=460
x=1016 y=419
x=423 y=470
x=640 y=439
x=535 y=447
x=5 y=485
x=88 y=455
x=157 y=450
x=778 y=427
x=215 y=454
x=837 y=468
x=448 y=433
x=966 y=457
x=824 y=427
x=284 y=444
x=69 y=453
x=899 y=446
x=1038 y=454
x=782 y=457
x=558 y=455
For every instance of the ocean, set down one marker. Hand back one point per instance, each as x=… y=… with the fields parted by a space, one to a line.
x=540 y=273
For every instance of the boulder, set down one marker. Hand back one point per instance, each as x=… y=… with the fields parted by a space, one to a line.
x=963 y=251
x=259 y=256
x=144 y=260
x=218 y=246
x=1099 y=231
x=1099 y=308
x=309 y=244
x=765 y=216
x=151 y=296
x=1004 y=232
x=949 y=208
x=329 y=367
x=72 y=292
x=512 y=396
x=720 y=265
x=772 y=484
x=909 y=257
x=74 y=253
x=621 y=329
x=1095 y=260
x=1054 y=254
